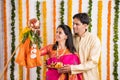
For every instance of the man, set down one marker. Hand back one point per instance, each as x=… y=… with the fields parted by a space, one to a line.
x=88 y=48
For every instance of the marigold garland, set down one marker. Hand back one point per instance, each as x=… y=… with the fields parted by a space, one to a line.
x=62 y=12
x=90 y=14
x=115 y=40
x=27 y=17
x=20 y=29
x=108 y=40
x=70 y=13
x=80 y=5
x=38 y=10
x=54 y=19
x=13 y=39
x=27 y=11
x=99 y=30
x=44 y=10
x=20 y=15
x=5 y=37
x=100 y=19
x=38 y=17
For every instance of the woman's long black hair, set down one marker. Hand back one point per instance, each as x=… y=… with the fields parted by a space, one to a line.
x=69 y=41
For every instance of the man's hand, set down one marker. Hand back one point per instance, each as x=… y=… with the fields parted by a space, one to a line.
x=65 y=69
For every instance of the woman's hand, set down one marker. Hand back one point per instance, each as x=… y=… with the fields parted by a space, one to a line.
x=65 y=69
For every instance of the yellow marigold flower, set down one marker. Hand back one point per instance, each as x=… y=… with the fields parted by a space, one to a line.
x=26 y=29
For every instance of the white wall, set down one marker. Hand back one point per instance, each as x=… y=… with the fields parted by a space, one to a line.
x=49 y=21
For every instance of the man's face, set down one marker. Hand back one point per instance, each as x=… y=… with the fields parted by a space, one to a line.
x=78 y=27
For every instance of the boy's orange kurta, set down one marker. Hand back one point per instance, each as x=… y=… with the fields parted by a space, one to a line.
x=23 y=58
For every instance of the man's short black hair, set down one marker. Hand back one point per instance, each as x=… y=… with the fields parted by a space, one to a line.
x=83 y=17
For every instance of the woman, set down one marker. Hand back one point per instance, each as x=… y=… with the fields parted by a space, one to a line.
x=61 y=53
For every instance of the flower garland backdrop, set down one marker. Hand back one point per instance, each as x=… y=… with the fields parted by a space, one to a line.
x=69 y=13
x=108 y=39
x=5 y=37
x=20 y=30
x=12 y=66
x=51 y=14
x=38 y=17
x=99 y=32
x=27 y=19
x=62 y=12
x=89 y=13
x=44 y=10
x=54 y=19
x=115 y=39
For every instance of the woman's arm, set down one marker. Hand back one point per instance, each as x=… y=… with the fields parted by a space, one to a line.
x=45 y=50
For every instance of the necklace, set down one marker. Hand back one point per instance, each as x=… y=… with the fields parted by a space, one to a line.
x=60 y=54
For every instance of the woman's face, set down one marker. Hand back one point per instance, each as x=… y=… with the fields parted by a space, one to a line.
x=60 y=35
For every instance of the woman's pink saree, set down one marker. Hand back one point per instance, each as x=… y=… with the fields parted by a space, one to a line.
x=69 y=59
